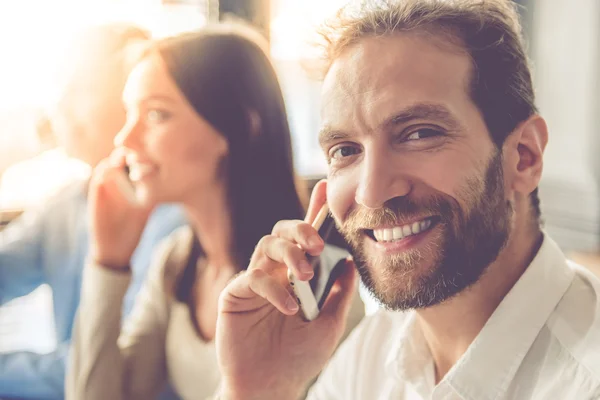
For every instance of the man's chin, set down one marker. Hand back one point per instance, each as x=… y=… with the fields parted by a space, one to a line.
x=412 y=263
x=400 y=284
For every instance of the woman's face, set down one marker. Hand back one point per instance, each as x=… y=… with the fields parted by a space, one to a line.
x=173 y=154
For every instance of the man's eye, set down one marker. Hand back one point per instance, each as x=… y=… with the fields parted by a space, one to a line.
x=344 y=151
x=157 y=116
x=423 y=133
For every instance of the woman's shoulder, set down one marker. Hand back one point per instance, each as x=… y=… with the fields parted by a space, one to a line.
x=180 y=237
x=171 y=256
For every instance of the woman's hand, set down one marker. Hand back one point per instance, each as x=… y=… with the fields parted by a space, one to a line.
x=116 y=222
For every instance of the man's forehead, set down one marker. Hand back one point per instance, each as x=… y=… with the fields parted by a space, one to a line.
x=393 y=69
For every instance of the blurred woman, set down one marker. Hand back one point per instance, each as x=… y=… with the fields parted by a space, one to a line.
x=206 y=127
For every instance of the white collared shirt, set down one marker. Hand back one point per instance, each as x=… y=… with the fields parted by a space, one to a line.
x=542 y=342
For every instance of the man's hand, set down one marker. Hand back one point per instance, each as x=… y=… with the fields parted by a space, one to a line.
x=265 y=350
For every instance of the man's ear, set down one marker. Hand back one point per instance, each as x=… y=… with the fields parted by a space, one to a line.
x=524 y=150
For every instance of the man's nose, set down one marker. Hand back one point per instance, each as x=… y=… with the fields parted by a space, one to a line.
x=380 y=181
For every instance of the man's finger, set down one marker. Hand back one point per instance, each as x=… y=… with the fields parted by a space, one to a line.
x=301 y=233
x=279 y=252
x=318 y=198
x=252 y=289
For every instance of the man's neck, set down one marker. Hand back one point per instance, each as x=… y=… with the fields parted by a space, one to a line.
x=450 y=327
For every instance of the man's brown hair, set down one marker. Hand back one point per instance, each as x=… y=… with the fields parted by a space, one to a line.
x=490 y=32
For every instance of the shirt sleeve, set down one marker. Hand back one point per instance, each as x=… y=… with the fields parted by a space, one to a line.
x=108 y=362
x=24 y=374
x=163 y=221
x=21 y=269
x=28 y=375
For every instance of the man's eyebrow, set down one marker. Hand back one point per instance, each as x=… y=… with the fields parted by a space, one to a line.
x=422 y=111
x=328 y=135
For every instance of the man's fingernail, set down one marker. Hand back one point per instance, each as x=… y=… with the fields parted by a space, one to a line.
x=305 y=267
x=291 y=304
x=314 y=242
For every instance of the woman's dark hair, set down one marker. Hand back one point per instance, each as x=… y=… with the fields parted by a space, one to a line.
x=226 y=75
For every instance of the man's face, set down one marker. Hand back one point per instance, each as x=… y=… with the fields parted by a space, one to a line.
x=90 y=112
x=415 y=183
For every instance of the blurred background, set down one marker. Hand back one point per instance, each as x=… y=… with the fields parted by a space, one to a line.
x=563 y=46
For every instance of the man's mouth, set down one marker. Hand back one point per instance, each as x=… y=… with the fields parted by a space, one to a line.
x=399 y=232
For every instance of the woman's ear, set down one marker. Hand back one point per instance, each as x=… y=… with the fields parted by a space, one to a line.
x=524 y=150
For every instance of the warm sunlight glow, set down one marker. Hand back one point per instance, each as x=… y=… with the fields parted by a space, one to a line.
x=28 y=36
x=293 y=40
x=34 y=36
x=293 y=25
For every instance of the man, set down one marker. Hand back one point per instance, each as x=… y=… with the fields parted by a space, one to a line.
x=49 y=245
x=435 y=153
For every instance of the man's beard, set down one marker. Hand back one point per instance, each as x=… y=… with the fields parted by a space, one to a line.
x=460 y=247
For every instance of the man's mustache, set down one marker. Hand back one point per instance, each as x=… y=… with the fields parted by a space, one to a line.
x=397 y=211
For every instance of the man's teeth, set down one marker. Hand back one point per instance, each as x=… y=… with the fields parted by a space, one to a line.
x=400 y=232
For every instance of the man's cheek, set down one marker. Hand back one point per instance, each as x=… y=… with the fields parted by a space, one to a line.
x=340 y=197
x=446 y=174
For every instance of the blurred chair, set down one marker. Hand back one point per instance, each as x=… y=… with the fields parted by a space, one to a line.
x=590 y=260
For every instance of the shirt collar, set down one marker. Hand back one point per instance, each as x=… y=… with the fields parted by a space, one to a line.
x=488 y=367
x=409 y=357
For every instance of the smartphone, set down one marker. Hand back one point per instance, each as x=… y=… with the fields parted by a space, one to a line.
x=126 y=186
x=328 y=266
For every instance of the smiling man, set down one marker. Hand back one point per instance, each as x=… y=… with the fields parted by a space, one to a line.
x=435 y=153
